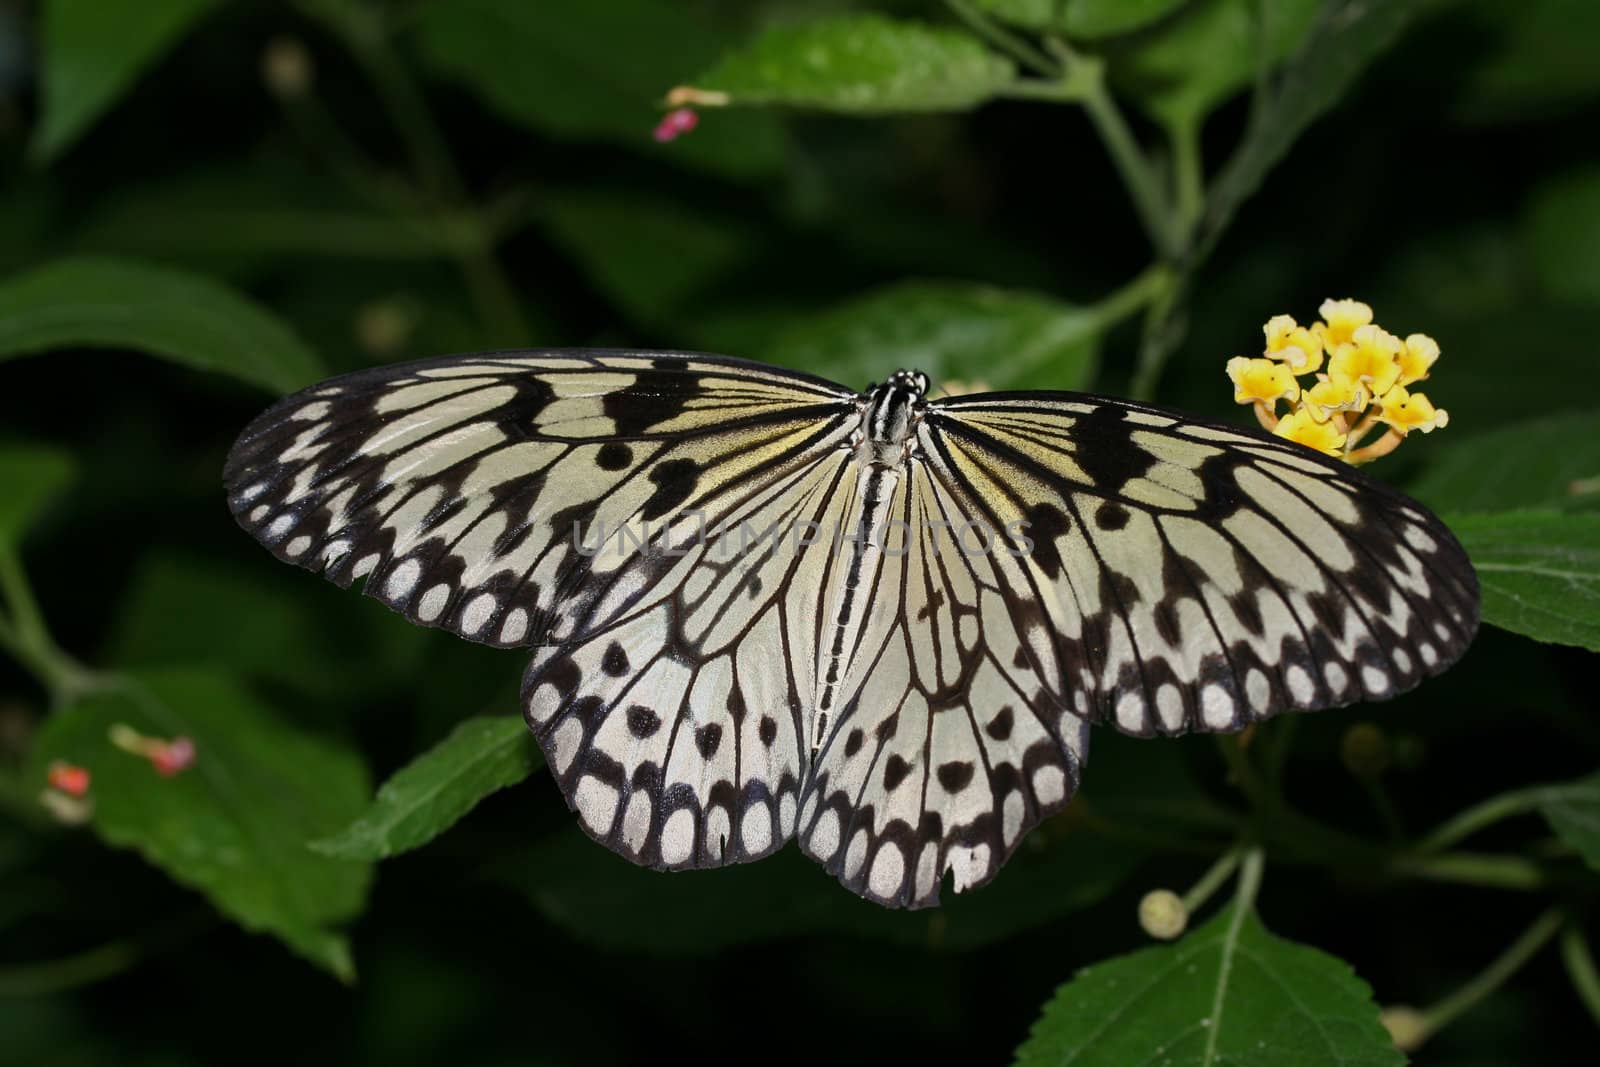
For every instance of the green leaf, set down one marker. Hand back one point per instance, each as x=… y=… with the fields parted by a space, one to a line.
x=31 y=478
x=1550 y=462
x=1080 y=19
x=93 y=52
x=954 y=331
x=1562 y=231
x=1573 y=811
x=1228 y=993
x=587 y=71
x=431 y=793
x=1340 y=45
x=1088 y=19
x=108 y=303
x=234 y=824
x=861 y=64
x=1540 y=572
x=602 y=899
x=1189 y=64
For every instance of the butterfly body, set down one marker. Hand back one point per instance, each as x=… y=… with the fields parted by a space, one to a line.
x=765 y=607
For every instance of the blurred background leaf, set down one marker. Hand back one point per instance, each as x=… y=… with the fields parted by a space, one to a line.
x=955 y=333
x=77 y=303
x=1573 y=811
x=92 y=54
x=32 y=476
x=1185 y=66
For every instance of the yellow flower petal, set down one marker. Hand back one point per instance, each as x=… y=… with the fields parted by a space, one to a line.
x=1301 y=428
x=1407 y=411
x=1370 y=356
x=1343 y=317
x=1417 y=358
x=1292 y=343
x=1332 y=395
x=1261 y=381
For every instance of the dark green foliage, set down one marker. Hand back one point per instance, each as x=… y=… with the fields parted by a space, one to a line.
x=205 y=205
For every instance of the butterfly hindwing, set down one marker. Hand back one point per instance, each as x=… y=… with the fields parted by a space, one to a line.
x=947 y=749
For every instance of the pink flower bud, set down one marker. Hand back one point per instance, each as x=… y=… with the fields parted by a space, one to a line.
x=675 y=124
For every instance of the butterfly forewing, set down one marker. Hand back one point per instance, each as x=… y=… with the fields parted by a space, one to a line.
x=1188 y=576
x=464 y=490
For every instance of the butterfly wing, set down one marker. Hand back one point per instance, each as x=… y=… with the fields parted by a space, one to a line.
x=947 y=748
x=1186 y=575
x=678 y=725
x=463 y=489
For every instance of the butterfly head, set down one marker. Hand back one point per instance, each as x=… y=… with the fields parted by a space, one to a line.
x=914 y=380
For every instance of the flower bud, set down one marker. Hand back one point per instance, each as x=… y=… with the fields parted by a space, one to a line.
x=286 y=68
x=1162 y=914
x=1365 y=751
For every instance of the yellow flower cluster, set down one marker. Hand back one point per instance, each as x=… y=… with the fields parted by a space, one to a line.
x=1361 y=375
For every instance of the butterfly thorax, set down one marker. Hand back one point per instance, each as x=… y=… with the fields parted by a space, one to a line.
x=889 y=415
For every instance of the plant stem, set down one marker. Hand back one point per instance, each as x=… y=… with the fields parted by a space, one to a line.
x=24 y=635
x=1188 y=178
x=1474 y=868
x=1580 y=968
x=1084 y=80
x=98 y=964
x=1493 y=976
x=1138 y=293
x=1162 y=332
x=365 y=34
x=1218 y=873
x=1004 y=39
x=1466 y=823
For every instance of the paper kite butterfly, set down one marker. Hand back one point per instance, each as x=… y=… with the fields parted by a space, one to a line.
x=763 y=606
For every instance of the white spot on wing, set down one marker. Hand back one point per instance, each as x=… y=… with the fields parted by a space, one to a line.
x=402 y=578
x=677 y=837
x=1216 y=707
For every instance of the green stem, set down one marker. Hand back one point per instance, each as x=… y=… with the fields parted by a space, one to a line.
x=1218 y=873
x=1188 y=178
x=1160 y=338
x=1580 y=968
x=69 y=972
x=1474 y=868
x=24 y=635
x=366 y=35
x=1003 y=39
x=98 y=964
x=1475 y=818
x=1121 y=303
x=1387 y=813
x=1244 y=899
x=1535 y=937
x=1280 y=734
x=1084 y=81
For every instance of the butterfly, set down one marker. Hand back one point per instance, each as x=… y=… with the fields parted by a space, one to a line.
x=764 y=607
